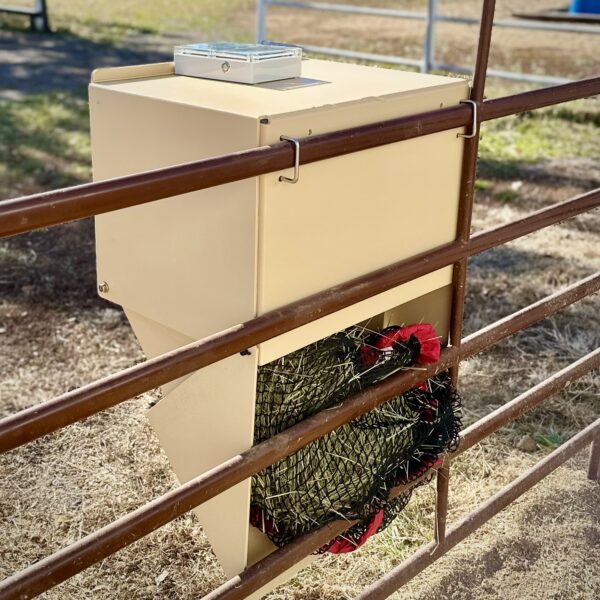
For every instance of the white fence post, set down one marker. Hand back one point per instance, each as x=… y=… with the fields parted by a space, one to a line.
x=261 y=20
x=429 y=45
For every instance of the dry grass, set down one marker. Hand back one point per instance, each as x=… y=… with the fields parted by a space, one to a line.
x=55 y=334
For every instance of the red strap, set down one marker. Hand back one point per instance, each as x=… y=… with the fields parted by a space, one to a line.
x=424 y=332
x=342 y=545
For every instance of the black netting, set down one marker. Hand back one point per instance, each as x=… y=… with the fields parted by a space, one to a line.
x=348 y=473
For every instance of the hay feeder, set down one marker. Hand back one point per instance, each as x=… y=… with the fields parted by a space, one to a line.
x=190 y=266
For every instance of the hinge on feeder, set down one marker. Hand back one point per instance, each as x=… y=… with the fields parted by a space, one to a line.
x=473 y=123
x=296 y=142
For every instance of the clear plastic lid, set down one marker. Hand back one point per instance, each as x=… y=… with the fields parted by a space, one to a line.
x=241 y=52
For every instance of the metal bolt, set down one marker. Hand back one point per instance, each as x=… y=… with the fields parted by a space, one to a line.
x=225 y=67
x=103 y=287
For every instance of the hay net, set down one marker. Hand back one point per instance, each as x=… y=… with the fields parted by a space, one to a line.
x=349 y=472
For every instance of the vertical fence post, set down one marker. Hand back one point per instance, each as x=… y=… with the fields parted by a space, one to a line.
x=594 y=466
x=39 y=21
x=261 y=20
x=463 y=231
x=467 y=182
x=441 y=500
x=429 y=47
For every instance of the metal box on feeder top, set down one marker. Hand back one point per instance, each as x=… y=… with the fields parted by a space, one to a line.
x=192 y=265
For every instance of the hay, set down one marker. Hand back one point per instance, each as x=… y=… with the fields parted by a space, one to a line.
x=348 y=473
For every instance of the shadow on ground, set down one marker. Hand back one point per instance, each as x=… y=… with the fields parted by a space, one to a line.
x=34 y=63
x=51 y=266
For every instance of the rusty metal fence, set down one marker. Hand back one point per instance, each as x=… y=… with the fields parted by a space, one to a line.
x=41 y=210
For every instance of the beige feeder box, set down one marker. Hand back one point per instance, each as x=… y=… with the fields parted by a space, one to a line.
x=189 y=266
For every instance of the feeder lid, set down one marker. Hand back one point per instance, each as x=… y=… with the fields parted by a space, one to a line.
x=239 y=52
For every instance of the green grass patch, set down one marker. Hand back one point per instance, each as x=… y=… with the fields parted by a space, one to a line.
x=114 y=22
x=45 y=143
x=550 y=440
x=507 y=196
x=530 y=138
x=482 y=184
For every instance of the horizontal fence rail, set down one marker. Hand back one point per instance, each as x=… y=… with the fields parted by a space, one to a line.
x=111 y=538
x=49 y=416
x=428 y=554
x=51 y=208
x=527 y=401
x=276 y=563
x=132 y=527
x=495 y=332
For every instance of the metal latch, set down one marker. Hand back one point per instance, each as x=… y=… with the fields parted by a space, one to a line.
x=296 y=142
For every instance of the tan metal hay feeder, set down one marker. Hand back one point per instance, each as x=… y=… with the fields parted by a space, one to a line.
x=190 y=266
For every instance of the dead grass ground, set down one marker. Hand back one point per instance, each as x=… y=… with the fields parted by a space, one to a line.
x=55 y=334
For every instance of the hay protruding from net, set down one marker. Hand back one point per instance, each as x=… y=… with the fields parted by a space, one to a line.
x=349 y=472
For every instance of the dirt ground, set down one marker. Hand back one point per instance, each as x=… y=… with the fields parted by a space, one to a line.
x=55 y=335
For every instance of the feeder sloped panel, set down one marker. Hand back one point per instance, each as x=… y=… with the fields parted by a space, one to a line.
x=193 y=265
x=156 y=339
x=205 y=421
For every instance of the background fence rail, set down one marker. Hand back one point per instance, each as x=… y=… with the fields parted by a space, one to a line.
x=431 y=17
